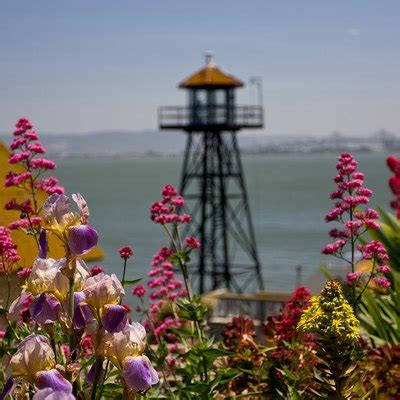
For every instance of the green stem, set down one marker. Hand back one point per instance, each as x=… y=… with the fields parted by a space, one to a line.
x=171 y=237
x=366 y=285
x=53 y=345
x=123 y=275
x=103 y=381
x=8 y=291
x=240 y=396
x=108 y=361
x=97 y=373
x=158 y=340
x=185 y=274
x=352 y=242
x=33 y=194
x=71 y=312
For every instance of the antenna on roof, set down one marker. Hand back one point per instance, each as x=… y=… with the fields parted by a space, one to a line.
x=209 y=57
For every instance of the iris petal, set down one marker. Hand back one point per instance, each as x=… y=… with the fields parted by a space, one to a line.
x=46 y=309
x=82 y=238
x=114 y=318
x=52 y=379
x=139 y=374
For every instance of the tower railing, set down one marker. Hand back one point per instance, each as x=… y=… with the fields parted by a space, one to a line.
x=208 y=117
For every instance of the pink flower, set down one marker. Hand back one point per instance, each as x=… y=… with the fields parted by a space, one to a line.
x=126 y=252
x=18 y=157
x=42 y=163
x=352 y=276
x=169 y=190
x=374 y=249
x=17 y=143
x=332 y=248
x=192 y=242
x=96 y=269
x=384 y=268
x=178 y=201
x=50 y=185
x=394 y=165
x=382 y=282
x=25 y=223
x=13 y=179
x=36 y=148
x=8 y=251
x=139 y=291
x=32 y=135
x=24 y=273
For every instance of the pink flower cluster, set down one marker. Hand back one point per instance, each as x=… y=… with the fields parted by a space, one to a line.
x=284 y=326
x=24 y=208
x=24 y=151
x=8 y=251
x=163 y=279
x=164 y=287
x=349 y=195
x=32 y=223
x=394 y=183
x=166 y=211
x=375 y=252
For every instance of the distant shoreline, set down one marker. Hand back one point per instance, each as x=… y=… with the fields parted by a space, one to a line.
x=244 y=152
x=159 y=144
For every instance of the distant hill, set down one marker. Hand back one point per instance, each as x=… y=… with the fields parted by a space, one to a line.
x=164 y=143
x=111 y=143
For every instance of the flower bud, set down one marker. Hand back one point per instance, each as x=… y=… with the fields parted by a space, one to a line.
x=82 y=238
x=43 y=245
x=114 y=318
x=82 y=313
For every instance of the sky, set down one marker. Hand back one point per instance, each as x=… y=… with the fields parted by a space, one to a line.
x=95 y=65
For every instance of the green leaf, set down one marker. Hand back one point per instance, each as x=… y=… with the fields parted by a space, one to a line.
x=131 y=281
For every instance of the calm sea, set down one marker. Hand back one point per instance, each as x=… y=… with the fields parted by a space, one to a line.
x=289 y=196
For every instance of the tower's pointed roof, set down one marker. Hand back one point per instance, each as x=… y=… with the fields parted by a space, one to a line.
x=210 y=75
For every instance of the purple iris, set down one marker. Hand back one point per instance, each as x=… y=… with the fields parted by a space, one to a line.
x=82 y=313
x=8 y=388
x=45 y=309
x=43 y=245
x=114 y=318
x=52 y=379
x=51 y=394
x=92 y=372
x=139 y=374
x=82 y=238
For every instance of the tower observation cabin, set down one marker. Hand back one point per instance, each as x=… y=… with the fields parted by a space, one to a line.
x=211 y=104
x=213 y=181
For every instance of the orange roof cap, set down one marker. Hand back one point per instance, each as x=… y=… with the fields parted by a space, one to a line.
x=210 y=75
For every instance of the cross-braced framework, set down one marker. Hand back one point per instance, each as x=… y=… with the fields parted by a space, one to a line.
x=214 y=185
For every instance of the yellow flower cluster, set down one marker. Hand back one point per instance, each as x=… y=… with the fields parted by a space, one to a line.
x=330 y=316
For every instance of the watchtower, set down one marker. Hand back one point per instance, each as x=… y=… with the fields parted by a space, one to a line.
x=212 y=178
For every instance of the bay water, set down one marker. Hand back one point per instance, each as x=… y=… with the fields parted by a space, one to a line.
x=289 y=197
